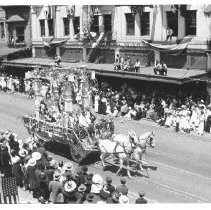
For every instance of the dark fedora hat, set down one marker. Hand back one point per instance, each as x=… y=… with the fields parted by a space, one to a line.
x=90 y=197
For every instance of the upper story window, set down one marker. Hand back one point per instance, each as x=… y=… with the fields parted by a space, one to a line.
x=145 y=24
x=95 y=24
x=20 y=38
x=130 y=24
x=76 y=24
x=190 y=22
x=66 y=23
x=42 y=28
x=107 y=23
x=172 y=22
x=2 y=30
x=50 y=27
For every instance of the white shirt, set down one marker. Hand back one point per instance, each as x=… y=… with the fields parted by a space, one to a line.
x=83 y=121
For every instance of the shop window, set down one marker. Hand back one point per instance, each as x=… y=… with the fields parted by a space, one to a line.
x=190 y=22
x=95 y=24
x=66 y=23
x=2 y=30
x=76 y=24
x=145 y=24
x=172 y=22
x=130 y=24
x=20 y=38
x=50 y=27
x=42 y=28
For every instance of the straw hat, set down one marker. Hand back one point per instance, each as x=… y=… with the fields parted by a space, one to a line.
x=141 y=194
x=70 y=186
x=32 y=162
x=29 y=140
x=82 y=188
x=56 y=175
x=23 y=153
x=36 y=155
x=97 y=179
x=123 y=199
x=68 y=166
x=15 y=135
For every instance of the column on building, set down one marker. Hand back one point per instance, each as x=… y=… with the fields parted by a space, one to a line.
x=101 y=24
x=157 y=23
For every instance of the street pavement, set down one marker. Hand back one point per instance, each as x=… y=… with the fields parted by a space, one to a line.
x=178 y=169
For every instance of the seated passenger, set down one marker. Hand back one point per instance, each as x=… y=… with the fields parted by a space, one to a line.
x=137 y=65
x=157 y=67
x=164 y=69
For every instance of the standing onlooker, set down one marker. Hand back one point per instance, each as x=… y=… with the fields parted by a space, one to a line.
x=201 y=122
x=141 y=199
x=56 y=189
x=6 y=161
x=16 y=168
x=169 y=33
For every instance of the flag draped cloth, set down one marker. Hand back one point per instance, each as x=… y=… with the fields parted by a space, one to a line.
x=8 y=190
x=167 y=47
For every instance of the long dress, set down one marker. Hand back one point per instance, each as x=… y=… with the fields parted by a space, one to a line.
x=17 y=172
x=194 y=120
x=96 y=103
x=201 y=124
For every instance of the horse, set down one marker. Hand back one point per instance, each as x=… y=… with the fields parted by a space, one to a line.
x=130 y=147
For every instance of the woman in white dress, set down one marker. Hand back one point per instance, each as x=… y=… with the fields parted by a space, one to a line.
x=170 y=116
x=201 y=123
x=97 y=98
x=194 y=120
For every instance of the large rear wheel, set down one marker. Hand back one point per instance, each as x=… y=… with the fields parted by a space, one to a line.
x=75 y=155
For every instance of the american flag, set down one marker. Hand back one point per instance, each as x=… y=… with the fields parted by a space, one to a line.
x=8 y=190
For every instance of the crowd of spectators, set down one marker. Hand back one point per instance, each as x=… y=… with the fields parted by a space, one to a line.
x=52 y=181
x=9 y=83
x=184 y=112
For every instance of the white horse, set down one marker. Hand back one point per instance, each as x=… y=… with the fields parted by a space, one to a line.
x=130 y=147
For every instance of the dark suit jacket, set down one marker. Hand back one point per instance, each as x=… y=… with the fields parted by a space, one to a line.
x=140 y=201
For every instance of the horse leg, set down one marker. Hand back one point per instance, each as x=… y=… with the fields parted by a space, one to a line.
x=120 y=166
x=140 y=164
x=128 y=170
x=102 y=157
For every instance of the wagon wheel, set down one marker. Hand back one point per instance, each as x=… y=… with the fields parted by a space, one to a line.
x=76 y=157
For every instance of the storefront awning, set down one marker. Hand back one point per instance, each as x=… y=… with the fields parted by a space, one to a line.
x=4 y=50
x=15 y=18
x=175 y=76
x=58 y=41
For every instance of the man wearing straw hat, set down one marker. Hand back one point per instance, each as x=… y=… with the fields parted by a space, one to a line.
x=56 y=189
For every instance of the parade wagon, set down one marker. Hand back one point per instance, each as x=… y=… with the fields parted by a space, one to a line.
x=76 y=139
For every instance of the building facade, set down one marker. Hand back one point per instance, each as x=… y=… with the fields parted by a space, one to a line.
x=122 y=29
